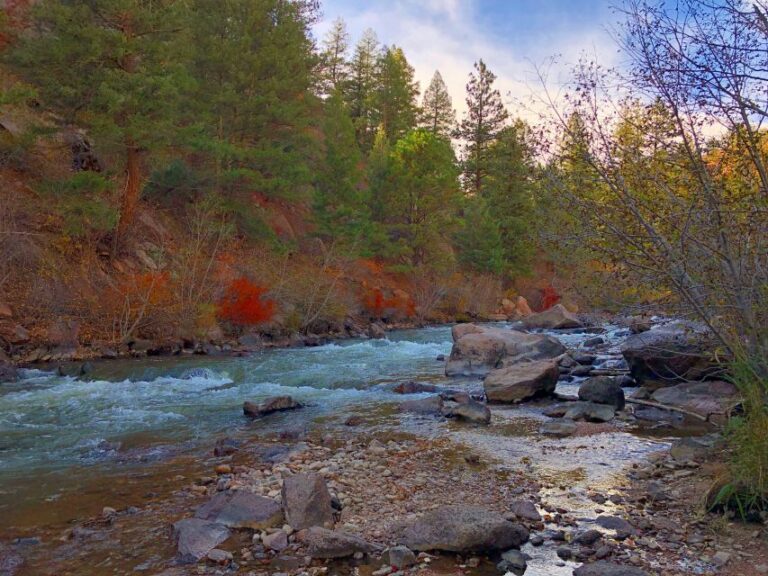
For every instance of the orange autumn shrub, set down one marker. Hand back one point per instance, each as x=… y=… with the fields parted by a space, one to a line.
x=244 y=304
x=549 y=297
x=379 y=306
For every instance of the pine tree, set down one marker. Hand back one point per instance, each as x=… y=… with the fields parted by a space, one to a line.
x=334 y=71
x=484 y=118
x=360 y=92
x=438 y=115
x=115 y=68
x=340 y=205
x=396 y=108
x=479 y=240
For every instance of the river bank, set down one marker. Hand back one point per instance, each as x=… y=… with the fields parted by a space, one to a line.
x=386 y=467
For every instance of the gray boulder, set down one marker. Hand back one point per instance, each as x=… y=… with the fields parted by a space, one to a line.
x=270 y=405
x=621 y=527
x=400 y=557
x=471 y=411
x=241 y=509
x=602 y=390
x=603 y=568
x=8 y=372
x=428 y=405
x=195 y=537
x=559 y=428
x=324 y=543
x=671 y=353
x=463 y=529
x=307 y=502
x=712 y=400
x=525 y=509
x=522 y=381
x=513 y=561
x=556 y=318
x=478 y=350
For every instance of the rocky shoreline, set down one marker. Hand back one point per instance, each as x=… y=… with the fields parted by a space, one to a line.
x=377 y=500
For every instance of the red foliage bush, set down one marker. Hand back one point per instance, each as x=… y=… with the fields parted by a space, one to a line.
x=243 y=304
x=549 y=297
x=378 y=306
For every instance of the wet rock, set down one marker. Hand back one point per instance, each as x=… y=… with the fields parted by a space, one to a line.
x=226 y=446
x=241 y=509
x=324 y=543
x=602 y=390
x=593 y=342
x=376 y=331
x=479 y=350
x=471 y=411
x=590 y=412
x=651 y=414
x=521 y=381
x=603 y=568
x=621 y=527
x=525 y=509
x=353 y=421
x=195 y=538
x=429 y=405
x=693 y=449
x=707 y=399
x=584 y=358
x=671 y=353
x=581 y=371
x=270 y=405
x=537 y=540
x=564 y=553
x=556 y=318
x=414 y=388
x=399 y=557
x=559 y=428
x=513 y=561
x=306 y=501
x=8 y=372
x=463 y=529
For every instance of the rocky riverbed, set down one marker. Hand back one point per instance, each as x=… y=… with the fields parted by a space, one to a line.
x=423 y=479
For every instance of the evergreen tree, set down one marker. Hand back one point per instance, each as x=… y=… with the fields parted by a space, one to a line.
x=396 y=108
x=438 y=115
x=479 y=240
x=508 y=194
x=340 y=206
x=334 y=71
x=115 y=68
x=253 y=63
x=484 y=118
x=360 y=92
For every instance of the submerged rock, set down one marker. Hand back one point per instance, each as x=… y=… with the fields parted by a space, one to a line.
x=556 y=318
x=602 y=390
x=195 y=538
x=270 y=405
x=478 y=350
x=522 y=381
x=603 y=568
x=306 y=501
x=463 y=529
x=241 y=509
x=324 y=543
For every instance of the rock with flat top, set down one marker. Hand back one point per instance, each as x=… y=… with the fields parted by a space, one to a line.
x=241 y=509
x=479 y=349
x=603 y=568
x=602 y=390
x=522 y=381
x=324 y=543
x=463 y=529
x=470 y=411
x=269 y=406
x=195 y=538
x=307 y=502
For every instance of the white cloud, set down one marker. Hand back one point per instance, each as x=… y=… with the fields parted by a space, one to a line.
x=447 y=35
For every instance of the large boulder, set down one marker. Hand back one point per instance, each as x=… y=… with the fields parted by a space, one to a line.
x=712 y=400
x=670 y=353
x=603 y=568
x=324 y=543
x=307 y=502
x=195 y=537
x=556 y=318
x=478 y=350
x=270 y=405
x=602 y=390
x=241 y=509
x=463 y=529
x=522 y=381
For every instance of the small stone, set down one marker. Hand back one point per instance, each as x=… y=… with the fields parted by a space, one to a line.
x=399 y=557
x=721 y=559
x=564 y=553
x=218 y=556
x=277 y=541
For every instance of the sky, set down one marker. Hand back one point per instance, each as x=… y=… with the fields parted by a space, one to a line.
x=513 y=37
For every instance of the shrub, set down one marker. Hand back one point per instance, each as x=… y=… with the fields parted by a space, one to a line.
x=243 y=304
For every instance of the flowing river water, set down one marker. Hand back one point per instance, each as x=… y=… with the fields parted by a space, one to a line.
x=69 y=446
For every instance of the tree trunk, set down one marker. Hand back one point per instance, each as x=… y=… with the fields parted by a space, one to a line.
x=130 y=197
